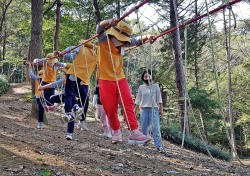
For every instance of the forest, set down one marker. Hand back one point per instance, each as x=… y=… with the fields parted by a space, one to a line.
x=200 y=60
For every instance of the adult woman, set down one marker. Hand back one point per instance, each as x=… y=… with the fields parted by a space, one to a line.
x=150 y=101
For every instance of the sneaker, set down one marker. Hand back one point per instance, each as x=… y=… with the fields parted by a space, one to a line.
x=40 y=125
x=107 y=135
x=68 y=117
x=117 y=137
x=50 y=108
x=82 y=125
x=160 y=149
x=138 y=138
x=78 y=112
x=69 y=136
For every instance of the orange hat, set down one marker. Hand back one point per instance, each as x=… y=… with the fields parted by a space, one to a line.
x=40 y=74
x=88 y=44
x=122 y=31
x=66 y=67
x=50 y=55
x=50 y=60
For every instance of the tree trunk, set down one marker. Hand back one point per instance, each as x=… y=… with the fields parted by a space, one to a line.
x=230 y=109
x=179 y=71
x=118 y=9
x=57 y=29
x=4 y=48
x=96 y=11
x=204 y=127
x=35 y=47
x=4 y=7
x=196 y=69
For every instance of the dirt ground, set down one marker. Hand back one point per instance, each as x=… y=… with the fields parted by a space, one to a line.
x=26 y=150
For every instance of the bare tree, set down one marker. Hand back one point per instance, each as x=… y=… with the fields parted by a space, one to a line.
x=57 y=29
x=179 y=71
x=230 y=101
x=4 y=5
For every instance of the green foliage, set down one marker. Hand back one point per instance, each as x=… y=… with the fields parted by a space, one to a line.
x=4 y=84
x=44 y=172
x=174 y=135
x=201 y=100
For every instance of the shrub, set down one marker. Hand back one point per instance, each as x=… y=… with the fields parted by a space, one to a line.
x=174 y=135
x=4 y=84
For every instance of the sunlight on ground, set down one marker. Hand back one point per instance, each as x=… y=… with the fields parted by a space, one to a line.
x=244 y=161
x=34 y=156
x=21 y=90
x=12 y=117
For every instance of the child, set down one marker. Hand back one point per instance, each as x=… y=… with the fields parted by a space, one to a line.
x=38 y=95
x=77 y=81
x=114 y=87
x=101 y=113
x=51 y=68
x=59 y=98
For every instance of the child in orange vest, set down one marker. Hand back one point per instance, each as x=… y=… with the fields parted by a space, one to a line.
x=38 y=94
x=114 y=86
x=84 y=63
x=59 y=98
x=51 y=68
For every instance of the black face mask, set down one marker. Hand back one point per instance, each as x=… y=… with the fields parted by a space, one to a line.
x=146 y=82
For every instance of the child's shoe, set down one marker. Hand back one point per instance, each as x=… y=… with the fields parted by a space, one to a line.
x=78 y=112
x=138 y=138
x=117 y=137
x=69 y=136
x=68 y=117
x=82 y=125
x=40 y=125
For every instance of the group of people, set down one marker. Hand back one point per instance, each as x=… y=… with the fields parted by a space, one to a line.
x=112 y=86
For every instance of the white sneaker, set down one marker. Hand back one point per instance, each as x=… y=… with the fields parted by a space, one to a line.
x=78 y=112
x=68 y=117
x=107 y=135
x=160 y=150
x=69 y=136
x=82 y=125
x=40 y=125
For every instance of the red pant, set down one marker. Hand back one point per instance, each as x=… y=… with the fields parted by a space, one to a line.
x=110 y=98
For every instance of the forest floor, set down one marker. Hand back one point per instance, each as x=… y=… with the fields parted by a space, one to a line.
x=26 y=150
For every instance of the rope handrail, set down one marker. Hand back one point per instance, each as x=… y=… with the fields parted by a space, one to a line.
x=96 y=35
x=189 y=22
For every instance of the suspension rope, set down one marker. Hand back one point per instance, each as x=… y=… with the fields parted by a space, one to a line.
x=228 y=51
x=204 y=140
x=96 y=35
x=191 y=21
x=116 y=79
x=145 y=53
x=200 y=134
x=185 y=98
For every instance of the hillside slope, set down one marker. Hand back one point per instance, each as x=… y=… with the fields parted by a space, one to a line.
x=25 y=150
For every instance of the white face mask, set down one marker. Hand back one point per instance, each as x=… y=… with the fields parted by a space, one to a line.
x=122 y=51
x=116 y=42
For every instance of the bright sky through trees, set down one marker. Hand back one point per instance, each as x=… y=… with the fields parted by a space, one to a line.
x=148 y=14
